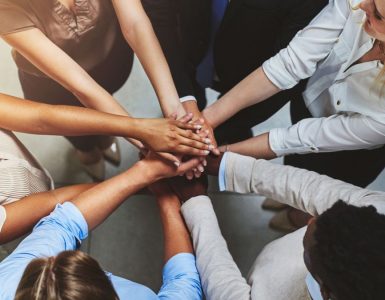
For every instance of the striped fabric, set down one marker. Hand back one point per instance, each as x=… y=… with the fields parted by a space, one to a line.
x=20 y=173
x=19 y=179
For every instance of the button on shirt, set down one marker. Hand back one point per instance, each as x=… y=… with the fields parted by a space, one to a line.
x=61 y=231
x=344 y=97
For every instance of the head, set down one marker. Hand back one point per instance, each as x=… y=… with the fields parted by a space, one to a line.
x=344 y=251
x=72 y=275
x=375 y=18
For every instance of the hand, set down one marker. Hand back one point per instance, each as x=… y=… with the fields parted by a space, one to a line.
x=157 y=167
x=186 y=189
x=213 y=164
x=175 y=136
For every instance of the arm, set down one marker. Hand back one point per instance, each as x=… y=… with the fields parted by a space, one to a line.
x=137 y=30
x=313 y=135
x=22 y=215
x=302 y=189
x=158 y=134
x=221 y=278
x=283 y=71
x=180 y=276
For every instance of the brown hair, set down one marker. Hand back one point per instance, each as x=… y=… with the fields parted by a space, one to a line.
x=72 y=275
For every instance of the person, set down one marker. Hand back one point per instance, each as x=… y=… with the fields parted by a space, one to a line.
x=23 y=178
x=46 y=264
x=340 y=257
x=57 y=49
x=216 y=43
x=343 y=116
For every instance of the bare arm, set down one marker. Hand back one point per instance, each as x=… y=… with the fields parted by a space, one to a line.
x=22 y=215
x=257 y=147
x=157 y=134
x=97 y=203
x=255 y=88
x=138 y=32
x=176 y=237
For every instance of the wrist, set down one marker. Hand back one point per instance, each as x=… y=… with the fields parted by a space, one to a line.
x=210 y=117
x=147 y=173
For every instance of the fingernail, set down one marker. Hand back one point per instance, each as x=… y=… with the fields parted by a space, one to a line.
x=194 y=170
x=206 y=152
x=207 y=131
x=198 y=126
x=177 y=163
x=211 y=147
x=201 y=169
x=204 y=162
x=207 y=141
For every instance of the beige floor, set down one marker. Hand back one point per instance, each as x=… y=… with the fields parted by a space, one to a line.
x=129 y=243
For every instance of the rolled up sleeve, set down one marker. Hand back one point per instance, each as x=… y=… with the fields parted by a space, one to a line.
x=334 y=133
x=181 y=279
x=312 y=44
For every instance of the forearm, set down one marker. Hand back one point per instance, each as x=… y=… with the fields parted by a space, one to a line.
x=253 y=89
x=220 y=276
x=176 y=237
x=38 y=118
x=257 y=147
x=98 y=203
x=22 y=215
x=141 y=37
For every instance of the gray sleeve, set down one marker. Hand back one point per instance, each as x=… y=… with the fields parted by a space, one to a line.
x=302 y=189
x=220 y=276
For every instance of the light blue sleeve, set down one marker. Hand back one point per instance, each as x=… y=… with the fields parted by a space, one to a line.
x=181 y=279
x=60 y=231
x=222 y=173
x=129 y=290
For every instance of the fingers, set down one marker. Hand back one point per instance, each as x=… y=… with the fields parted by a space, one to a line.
x=186 y=118
x=188 y=165
x=194 y=136
x=170 y=157
x=191 y=150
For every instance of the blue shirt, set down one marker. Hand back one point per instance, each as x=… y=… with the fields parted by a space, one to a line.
x=62 y=230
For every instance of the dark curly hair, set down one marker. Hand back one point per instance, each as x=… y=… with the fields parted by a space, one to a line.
x=349 y=253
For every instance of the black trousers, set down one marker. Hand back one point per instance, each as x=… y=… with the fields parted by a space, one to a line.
x=111 y=74
x=183 y=31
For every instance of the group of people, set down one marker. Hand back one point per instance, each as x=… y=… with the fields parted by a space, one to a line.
x=325 y=57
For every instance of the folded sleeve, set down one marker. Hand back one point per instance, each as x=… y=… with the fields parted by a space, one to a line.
x=181 y=279
x=3 y=216
x=335 y=133
x=311 y=45
x=220 y=276
x=15 y=16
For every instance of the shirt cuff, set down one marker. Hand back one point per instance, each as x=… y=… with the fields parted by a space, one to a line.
x=187 y=98
x=286 y=141
x=222 y=173
x=179 y=264
x=3 y=216
x=69 y=217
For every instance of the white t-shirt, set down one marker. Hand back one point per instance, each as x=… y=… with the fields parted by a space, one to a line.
x=20 y=172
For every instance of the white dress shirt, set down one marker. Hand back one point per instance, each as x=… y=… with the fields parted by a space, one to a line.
x=344 y=98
